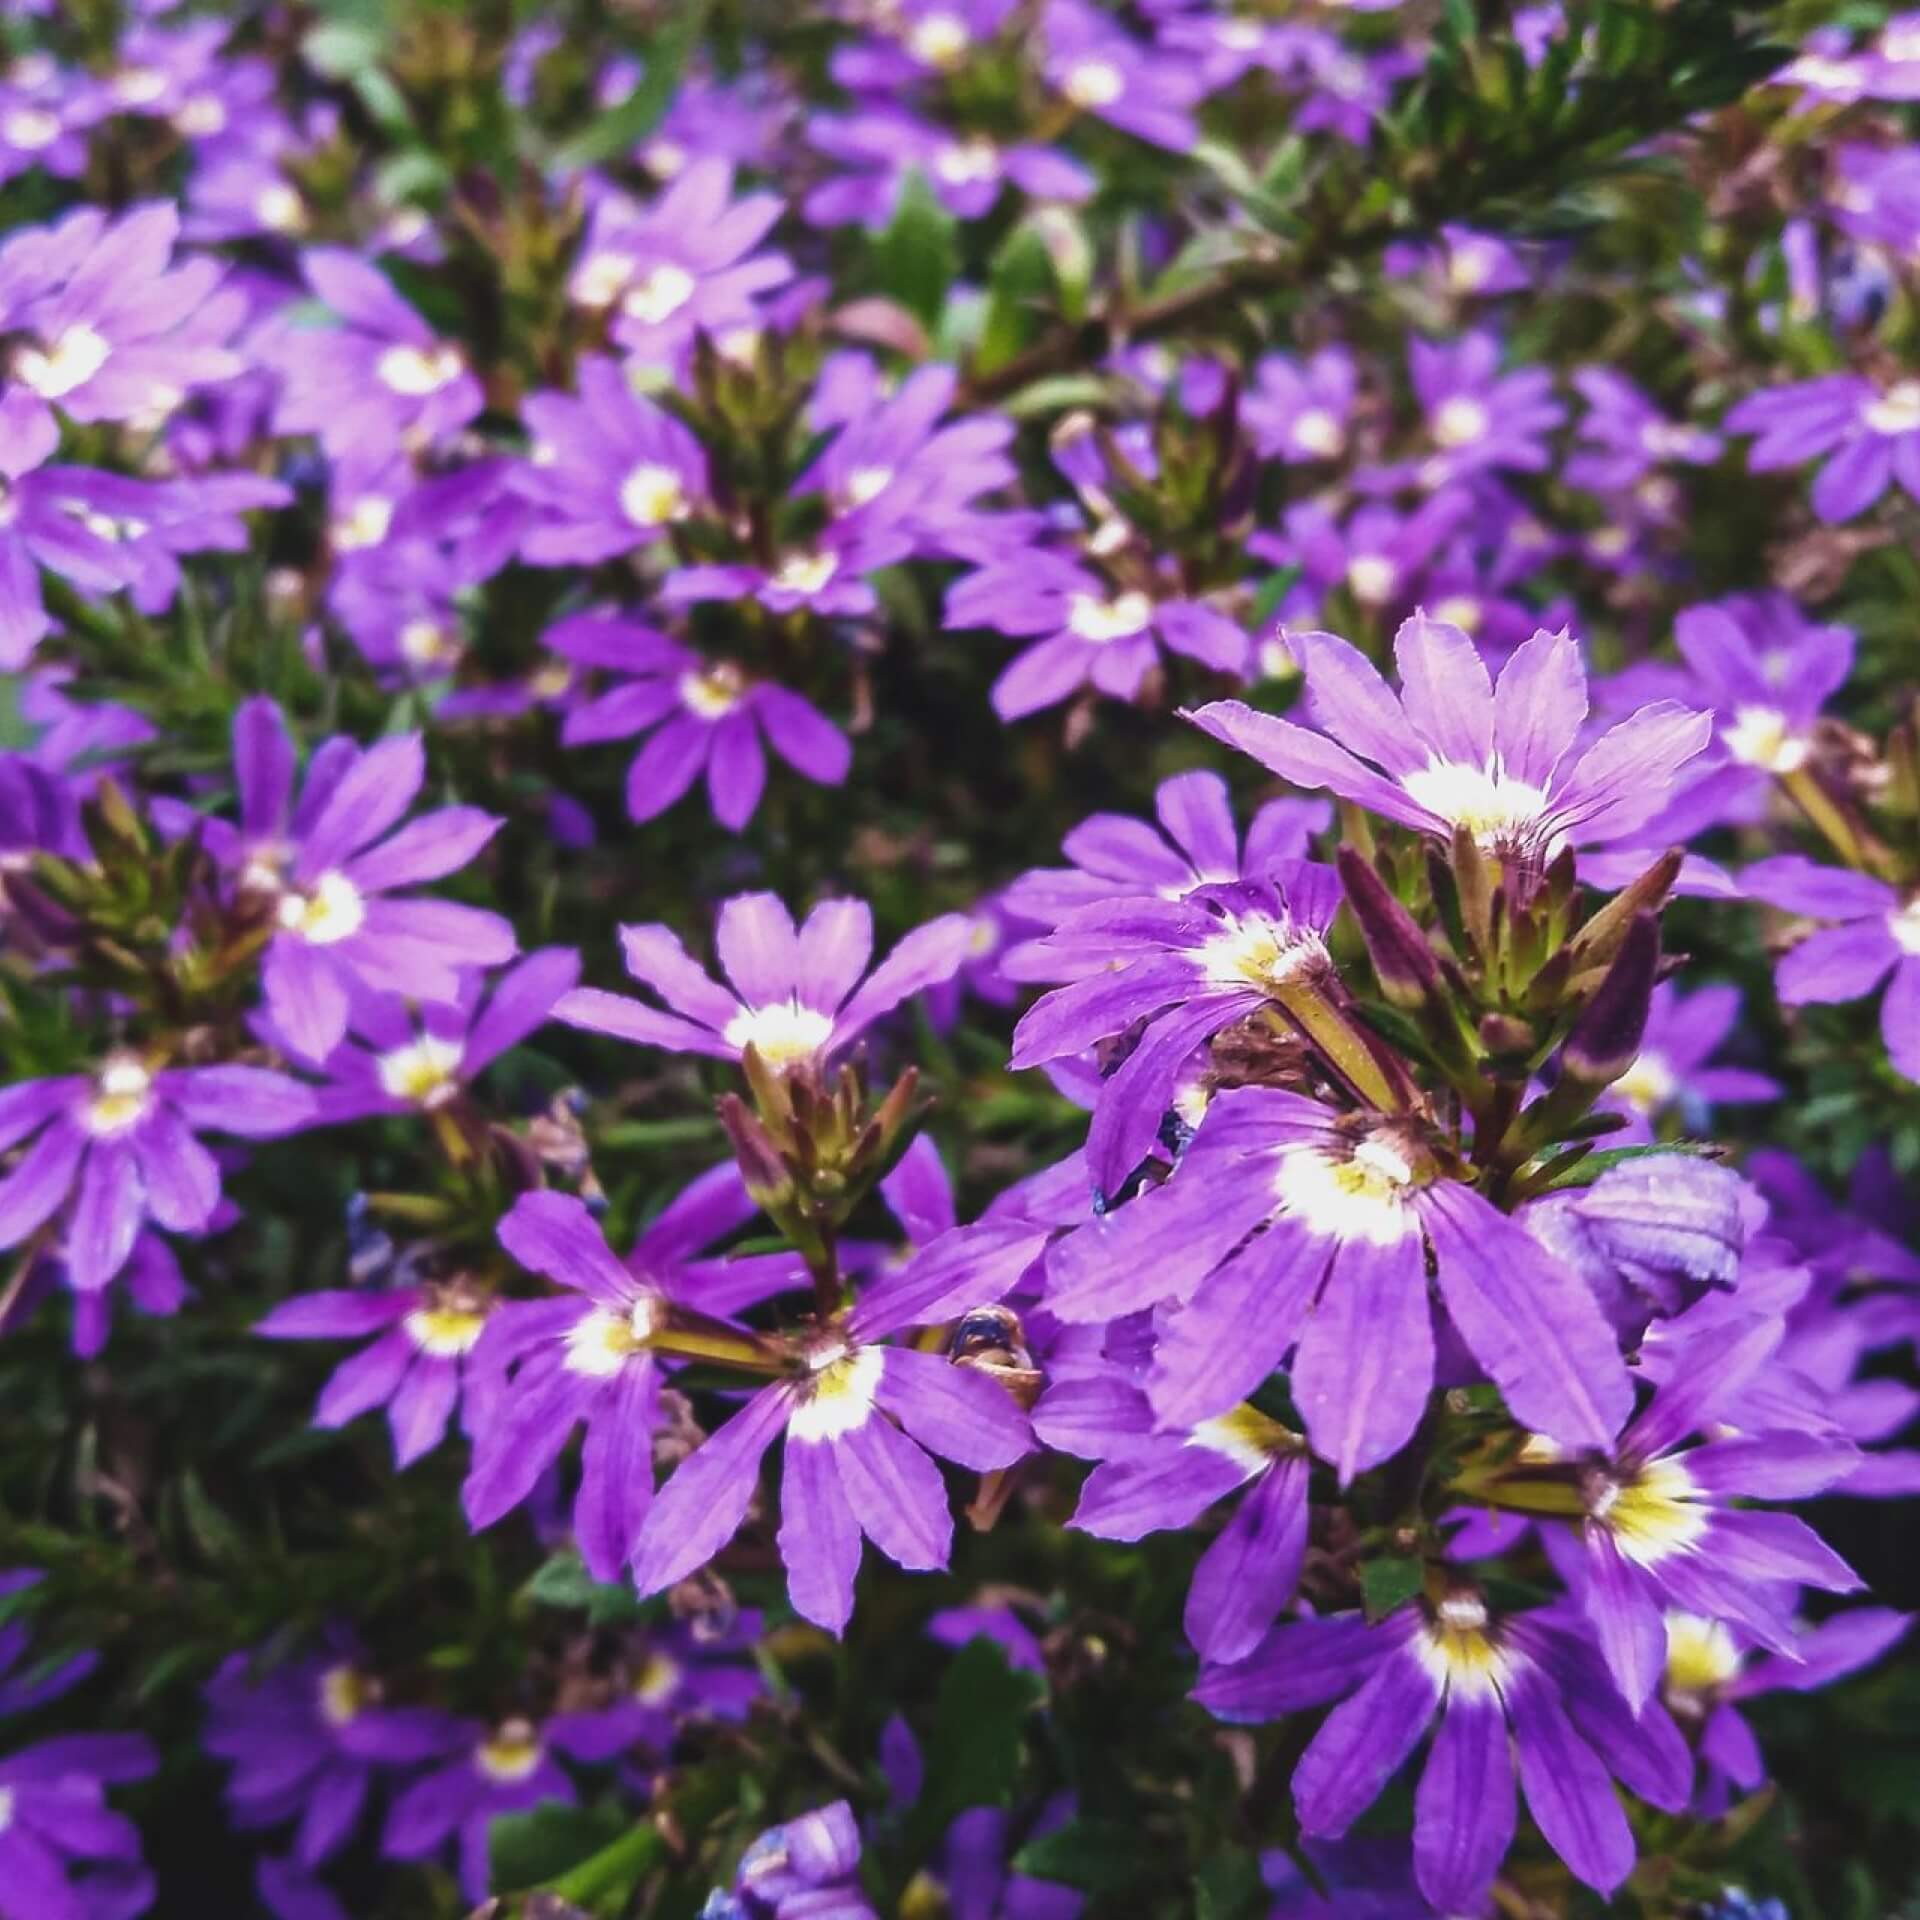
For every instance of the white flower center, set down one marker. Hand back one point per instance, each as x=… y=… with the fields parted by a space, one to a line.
x=30 y=129
x=510 y=1756
x=204 y=114
x=418 y=371
x=1245 y=1436
x=1760 y=737
x=1701 y=1654
x=1470 y=266
x=122 y=1097
x=806 y=572
x=70 y=362
x=1895 y=411
x=1905 y=927
x=658 y=1681
x=1319 y=433
x=332 y=911
x=867 y=483
x=1459 y=1651
x=1093 y=83
x=660 y=295
x=1373 y=577
x=782 y=1033
x=598 y=279
x=1460 y=610
x=427 y=1072
x=1360 y=1197
x=713 y=694
x=364 y=524
x=1260 y=952
x=426 y=643
x=1239 y=36
x=1347 y=78
x=1649 y=1084
x=965 y=161
x=1652 y=1514
x=1484 y=800
x=840 y=1395
x=1901 y=43
x=939 y=39
x=444 y=1332
x=343 y=1693
x=1461 y=421
x=139 y=86
x=665 y=158
x=280 y=209
x=600 y=1343
x=1099 y=621
x=651 y=495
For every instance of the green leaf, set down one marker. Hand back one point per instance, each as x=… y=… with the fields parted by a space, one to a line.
x=1387 y=1584
x=1098 y=1856
x=607 y=1880
x=563 y=1581
x=975 y=1750
x=624 y=125
x=1020 y=284
x=526 y=1849
x=213 y=1533
x=916 y=259
x=1229 y=1887
x=1595 y=1164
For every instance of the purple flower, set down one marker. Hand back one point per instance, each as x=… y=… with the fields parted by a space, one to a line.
x=706 y=717
x=1478 y=417
x=417 y=1367
x=804 y=1870
x=106 y=322
x=609 y=471
x=1154 y=1481
x=1877 y=938
x=1871 y=432
x=1376 y=557
x=1518 y=1693
x=1624 y=435
x=380 y=379
x=322 y=869
x=585 y=1356
x=305 y=1738
x=1455 y=750
x=1301 y=413
x=1188 y=967
x=882 y=147
x=1651 y=1521
x=121 y=1143
x=419 y=1062
x=1464 y=264
x=685 y=265
x=1092 y=633
x=506 y=1768
x=849 y=1470
x=797 y=996
x=1286 y=1226
x=1102 y=71
x=1710 y=1671
x=822 y=577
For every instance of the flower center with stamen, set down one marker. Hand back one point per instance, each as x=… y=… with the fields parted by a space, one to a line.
x=331 y=911
x=1492 y=806
x=940 y=39
x=445 y=1332
x=138 y=86
x=1897 y=410
x=1761 y=737
x=1653 y=1511
x=1360 y=1195
x=427 y=1071
x=806 y=572
x=1319 y=432
x=1099 y=621
x=1459 y=1650
x=658 y=1680
x=30 y=128
x=1905 y=927
x=1461 y=421
x=122 y=1097
x=280 y=209
x=600 y=1343
x=965 y=161
x=426 y=643
x=713 y=694
x=204 y=114
x=840 y=1394
x=651 y=495
x=867 y=483
x=510 y=1756
x=344 y=1691
x=1470 y=266
x=599 y=278
x=1094 y=83
x=1245 y=1436
x=782 y=1033
x=1459 y=610
x=1260 y=952
x=364 y=524
x=416 y=372
x=1649 y=1084
x=1373 y=577
x=1701 y=1654
x=660 y=295
x=71 y=361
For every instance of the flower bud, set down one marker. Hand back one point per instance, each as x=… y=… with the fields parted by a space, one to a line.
x=1605 y=1040
x=1408 y=968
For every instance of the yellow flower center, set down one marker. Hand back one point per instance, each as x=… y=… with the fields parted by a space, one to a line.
x=1489 y=803
x=840 y=1395
x=122 y=1096
x=1094 y=83
x=651 y=495
x=602 y=1342
x=1760 y=737
x=344 y=1691
x=1099 y=621
x=418 y=371
x=1260 y=952
x=1358 y=1196
x=510 y=1756
x=658 y=1680
x=332 y=910
x=1701 y=1655
x=783 y=1033
x=660 y=295
x=1246 y=1436
x=713 y=694
x=1652 y=1512
x=427 y=1071
x=445 y=1332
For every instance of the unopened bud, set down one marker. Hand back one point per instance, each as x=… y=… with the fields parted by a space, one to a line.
x=1407 y=967
x=1606 y=1039
x=760 y=1164
x=1601 y=938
